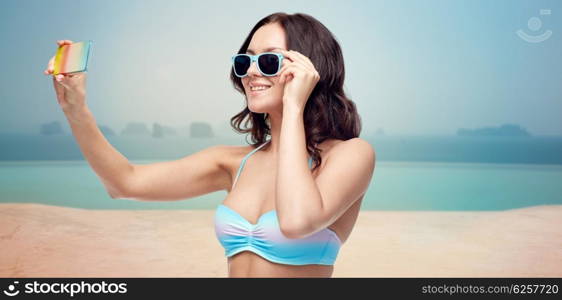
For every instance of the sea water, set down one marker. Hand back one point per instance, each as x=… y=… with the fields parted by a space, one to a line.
x=395 y=186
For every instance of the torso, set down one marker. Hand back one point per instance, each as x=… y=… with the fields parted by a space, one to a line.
x=253 y=195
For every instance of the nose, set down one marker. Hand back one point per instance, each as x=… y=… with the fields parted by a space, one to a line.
x=253 y=70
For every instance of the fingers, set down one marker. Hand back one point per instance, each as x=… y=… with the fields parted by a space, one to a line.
x=299 y=57
x=50 y=66
x=59 y=78
x=289 y=72
x=59 y=86
x=63 y=78
x=70 y=80
x=285 y=66
x=64 y=42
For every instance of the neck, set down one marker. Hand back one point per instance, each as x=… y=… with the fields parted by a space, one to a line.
x=275 y=120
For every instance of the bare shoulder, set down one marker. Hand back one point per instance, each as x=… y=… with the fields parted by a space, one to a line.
x=229 y=157
x=357 y=147
x=228 y=154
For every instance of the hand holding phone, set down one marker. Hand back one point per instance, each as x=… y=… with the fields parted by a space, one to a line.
x=72 y=58
x=70 y=80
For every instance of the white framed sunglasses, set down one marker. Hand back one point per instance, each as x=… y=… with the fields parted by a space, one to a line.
x=268 y=63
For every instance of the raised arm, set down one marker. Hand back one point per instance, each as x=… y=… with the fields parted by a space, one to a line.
x=200 y=173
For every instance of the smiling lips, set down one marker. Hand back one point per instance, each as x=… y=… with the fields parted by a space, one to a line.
x=256 y=87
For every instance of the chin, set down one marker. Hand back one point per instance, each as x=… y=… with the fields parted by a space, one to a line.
x=260 y=107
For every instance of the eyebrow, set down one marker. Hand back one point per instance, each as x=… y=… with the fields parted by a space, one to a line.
x=266 y=50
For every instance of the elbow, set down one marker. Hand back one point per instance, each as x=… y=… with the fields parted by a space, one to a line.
x=292 y=229
x=115 y=193
x=122 y=190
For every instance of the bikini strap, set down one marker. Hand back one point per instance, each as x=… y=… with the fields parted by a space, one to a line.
x=244 y=162
x=249 y=154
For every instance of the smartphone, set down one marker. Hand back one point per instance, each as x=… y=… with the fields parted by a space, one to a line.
x=72 y=58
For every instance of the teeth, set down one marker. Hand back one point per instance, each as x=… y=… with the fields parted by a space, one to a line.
x=259 y=88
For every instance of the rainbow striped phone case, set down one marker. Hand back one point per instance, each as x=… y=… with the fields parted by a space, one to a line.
x=72 y=58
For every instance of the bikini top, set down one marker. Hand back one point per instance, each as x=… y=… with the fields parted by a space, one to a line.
x=236 y=234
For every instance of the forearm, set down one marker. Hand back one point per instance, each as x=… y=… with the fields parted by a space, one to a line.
x=296 y=192
x=108 y=163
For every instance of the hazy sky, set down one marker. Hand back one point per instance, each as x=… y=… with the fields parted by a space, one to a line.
x=412 y=67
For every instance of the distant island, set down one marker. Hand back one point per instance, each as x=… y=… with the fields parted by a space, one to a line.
x=201 y=130
x=159 y=130
x=193 y=130
x=157 y=141
x=135 y=128
x=503 y=130
x=196 y=130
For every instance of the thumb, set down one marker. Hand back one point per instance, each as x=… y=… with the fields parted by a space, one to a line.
x=60 y=79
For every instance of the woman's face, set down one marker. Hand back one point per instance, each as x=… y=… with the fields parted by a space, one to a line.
x=268 y=38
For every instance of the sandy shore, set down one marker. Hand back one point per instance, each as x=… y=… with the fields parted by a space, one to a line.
x=48 y=241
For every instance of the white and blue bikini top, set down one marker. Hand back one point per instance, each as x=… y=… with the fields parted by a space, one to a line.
x=236 y=234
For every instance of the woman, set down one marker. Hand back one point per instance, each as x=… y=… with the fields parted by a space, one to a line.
x=282 y=217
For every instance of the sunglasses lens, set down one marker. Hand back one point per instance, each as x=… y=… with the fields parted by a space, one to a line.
x=269 y=64
x=241 y=64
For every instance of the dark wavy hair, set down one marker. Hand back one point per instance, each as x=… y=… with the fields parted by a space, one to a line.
x=329 y=113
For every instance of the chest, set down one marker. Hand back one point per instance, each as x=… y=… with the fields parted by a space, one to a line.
x=253 y=194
